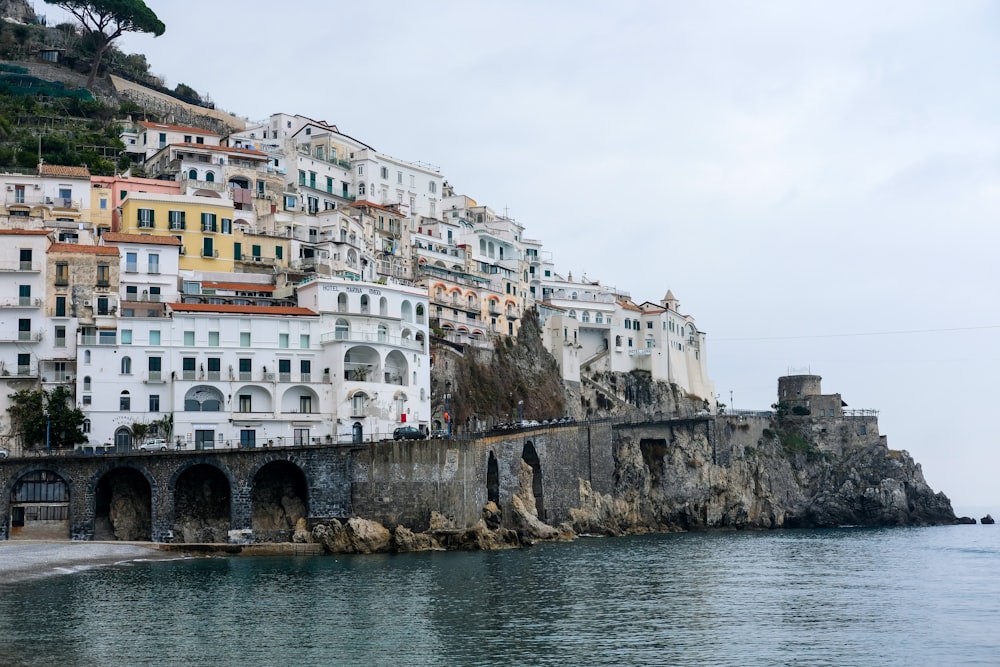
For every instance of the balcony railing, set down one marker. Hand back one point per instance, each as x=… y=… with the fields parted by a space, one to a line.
x=355 y=337
x=214 y=376
x=22 y=336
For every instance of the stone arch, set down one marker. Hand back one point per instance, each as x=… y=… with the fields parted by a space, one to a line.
x=123 y=439
x=39 y=504
x=123 y=503
x=203 y=507
x=279 y=497
x=530 y=456
x=203 y=398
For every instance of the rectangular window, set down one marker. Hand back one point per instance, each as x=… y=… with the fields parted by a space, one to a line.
x=301 y=436
x=189 y=339
x=126 y=336
x=145 y=218
x=304 y=341
x=124 y=403
x=131 y=262
x=154 y=337
x=329 y=185
x=238 y=251
x=208 y=247
x=60 y=337
x=62 y=274
x=284 y=370
x=213 y=339
x=246 y=403
x=214 y=368
x=104 y=203
x=246 y=368
x=244 y=339
x=103 y=275
x=302 y=177
x=154 y=263
x=177 y=220
x=255 y=251
x=154 y=402
x=305 y=368
x=102 y=305
x=208 y=222
x=227 y=226
x=278 y=252
x=248 y=438
x=305 y=404
x=60 y=306
x=283 y=340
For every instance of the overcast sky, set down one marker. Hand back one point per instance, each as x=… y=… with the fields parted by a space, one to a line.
x=818 y=183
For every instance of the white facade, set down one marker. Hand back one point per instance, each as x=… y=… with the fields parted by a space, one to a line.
x=375 y=342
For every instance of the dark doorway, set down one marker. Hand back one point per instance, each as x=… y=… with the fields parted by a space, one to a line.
x=493 y=480
x=358 y=432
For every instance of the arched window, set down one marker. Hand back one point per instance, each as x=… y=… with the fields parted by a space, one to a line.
x=573 y=296
x=420 y=313
x=572 y=314
x=490 y=249
x=343 y=235
x=86 y=426
x=383 y=306
x=124 y=402
x=342 y=303
x=86 y=356
x=126 y=365
x=586 y=316
x=210 y=176
x=361 y=189
x=618 y=341
x=482 y=246
x=364 y=303
x=86 y=383
x=342 y=330
x=193 y=174
x=599 y=318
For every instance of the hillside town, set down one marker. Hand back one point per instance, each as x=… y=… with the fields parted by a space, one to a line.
x=284 y=284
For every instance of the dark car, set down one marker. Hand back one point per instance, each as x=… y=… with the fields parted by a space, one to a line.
x=440 y=434
x=408 y=433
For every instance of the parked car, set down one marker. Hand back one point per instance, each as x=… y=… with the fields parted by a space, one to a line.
x=4 y=453
x=154 y=445
x=408 y=433
x=439 y=434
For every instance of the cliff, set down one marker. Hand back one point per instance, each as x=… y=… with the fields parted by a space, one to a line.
x=755 y=473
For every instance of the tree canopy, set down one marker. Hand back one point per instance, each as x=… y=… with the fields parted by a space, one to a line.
x=46 y=419
x=106 y=20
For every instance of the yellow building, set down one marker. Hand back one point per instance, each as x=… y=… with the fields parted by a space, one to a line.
x=204 y=225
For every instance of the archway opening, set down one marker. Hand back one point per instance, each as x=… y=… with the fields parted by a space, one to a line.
x=530 y=456
x=39 y=507
x=202 y=505
x=123 y=506
x=493 y=480
x=280 y=497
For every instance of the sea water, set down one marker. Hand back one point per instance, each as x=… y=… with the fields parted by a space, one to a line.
x=902 y=596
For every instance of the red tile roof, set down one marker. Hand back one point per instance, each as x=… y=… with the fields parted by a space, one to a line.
x=239 y=310
x=59 y=170
x=365 y=202
x=119 y=237
x=177 y=128
x=83 y=249
x=25 y=232
x=245 y=287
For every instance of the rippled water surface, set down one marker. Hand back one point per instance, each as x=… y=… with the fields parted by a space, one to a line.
x=927 y=596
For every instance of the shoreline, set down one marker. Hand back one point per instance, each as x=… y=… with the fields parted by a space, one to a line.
x=24 y=560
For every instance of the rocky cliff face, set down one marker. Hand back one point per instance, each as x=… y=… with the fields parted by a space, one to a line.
x=780 y=481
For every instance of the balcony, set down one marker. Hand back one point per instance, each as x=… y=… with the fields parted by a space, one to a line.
x=214 y=376
x=131 y=267
x=189 y=375
x=20 y=302
x=109 y=338
x=154 y=377
x=210 y=253
x=245 y=376
x=332 y=337
x=285 y=377
x=21 y=336
x=17 y=265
